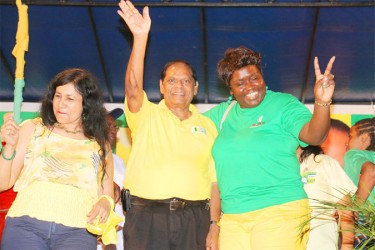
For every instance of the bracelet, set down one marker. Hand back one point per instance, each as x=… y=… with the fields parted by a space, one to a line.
x=10 y=158
x=109 y=199
x=323 y=104
x=214 y=222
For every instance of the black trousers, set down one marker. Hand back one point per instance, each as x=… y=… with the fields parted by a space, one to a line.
x=157 y=227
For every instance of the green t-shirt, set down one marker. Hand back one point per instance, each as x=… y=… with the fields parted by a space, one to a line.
x=353 y=161
x=255 y=153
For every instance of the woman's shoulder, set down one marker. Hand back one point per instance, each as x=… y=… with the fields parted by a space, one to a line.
x=215 y=114
x=208 y=123
x=288 y=107
x=31 y=123
x=28 y=128
x=281 y=96
x=218 y=109
x=33 y=126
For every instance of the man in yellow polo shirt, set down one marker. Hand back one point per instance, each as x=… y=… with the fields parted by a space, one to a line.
x=170 y=171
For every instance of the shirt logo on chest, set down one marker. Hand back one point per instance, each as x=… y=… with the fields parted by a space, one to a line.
x=198 y=130
x=258 y=123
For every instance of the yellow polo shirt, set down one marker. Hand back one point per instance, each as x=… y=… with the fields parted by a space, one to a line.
x=169 y=158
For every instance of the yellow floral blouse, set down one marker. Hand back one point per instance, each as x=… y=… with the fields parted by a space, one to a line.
x=59 y=181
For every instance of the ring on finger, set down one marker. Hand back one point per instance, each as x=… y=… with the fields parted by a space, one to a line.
x=333 y=76
x=325 y=85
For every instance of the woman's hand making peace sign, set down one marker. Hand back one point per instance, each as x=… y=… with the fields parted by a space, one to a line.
x=325 y=84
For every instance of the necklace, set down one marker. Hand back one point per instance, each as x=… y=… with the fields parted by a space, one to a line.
x=75 y=131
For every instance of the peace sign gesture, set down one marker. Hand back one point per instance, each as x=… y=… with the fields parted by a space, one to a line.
x=137 y=23
x=324 y=85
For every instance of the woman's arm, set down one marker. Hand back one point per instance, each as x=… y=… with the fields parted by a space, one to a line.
x=315 y=131
x=12 y=159
x=102 y=207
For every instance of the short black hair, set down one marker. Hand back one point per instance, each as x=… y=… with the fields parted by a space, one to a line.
x=339 y=125
x=170 y=63
x=235 y=59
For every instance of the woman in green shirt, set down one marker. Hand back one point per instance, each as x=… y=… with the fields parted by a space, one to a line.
x=262 y=196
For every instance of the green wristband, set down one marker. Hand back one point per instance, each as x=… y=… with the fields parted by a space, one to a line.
x=10 y=158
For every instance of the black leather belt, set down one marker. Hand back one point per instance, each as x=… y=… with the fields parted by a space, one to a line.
x=173 y=204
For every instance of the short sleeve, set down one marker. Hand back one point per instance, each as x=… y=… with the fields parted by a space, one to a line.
x=295 y=116
x=353 y=162
x=216 y=114
x=133 y=119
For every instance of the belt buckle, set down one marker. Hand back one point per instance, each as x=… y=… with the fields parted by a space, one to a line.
x=176 y=204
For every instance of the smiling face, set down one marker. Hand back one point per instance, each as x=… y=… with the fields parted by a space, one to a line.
x=247 y=86
x=178 y=86
x=67 y=105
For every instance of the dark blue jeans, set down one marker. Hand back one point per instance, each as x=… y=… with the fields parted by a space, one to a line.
x=32 y=234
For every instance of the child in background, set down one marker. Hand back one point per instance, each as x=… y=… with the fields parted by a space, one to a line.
x=360 y=157
x=335 y=143
x=359 y=164
x=325 y=180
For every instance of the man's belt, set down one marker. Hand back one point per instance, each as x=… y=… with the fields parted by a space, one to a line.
x=173 y=203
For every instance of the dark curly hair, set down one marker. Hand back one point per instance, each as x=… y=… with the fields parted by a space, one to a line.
x=310 y=150
x=93 y=115
x=237 y=58
x=170 y=63
x=367 y=126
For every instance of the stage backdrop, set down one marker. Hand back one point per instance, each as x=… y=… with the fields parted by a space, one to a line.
x=349 y=114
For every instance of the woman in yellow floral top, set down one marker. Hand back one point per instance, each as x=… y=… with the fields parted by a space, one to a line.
x=61 y=166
